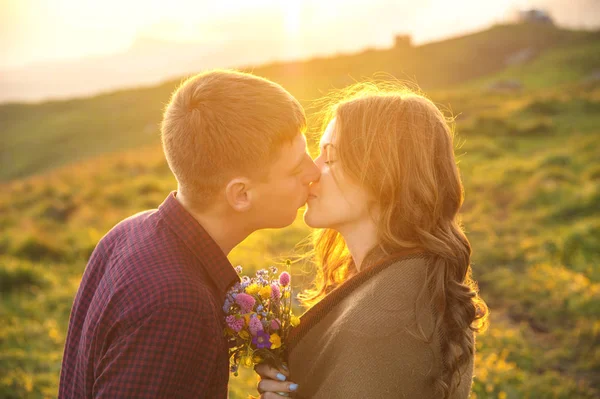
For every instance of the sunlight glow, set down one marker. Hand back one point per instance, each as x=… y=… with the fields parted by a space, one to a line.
x=292 y=12
x=34 y=30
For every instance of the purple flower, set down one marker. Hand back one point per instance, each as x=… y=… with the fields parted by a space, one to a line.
x=284 y=279
x=262 y=340
x=275 y=324
x=275 y=292
x=234 y=323
x=245 y=301
x=261 y=273
x=227 y=305
x=255 y=326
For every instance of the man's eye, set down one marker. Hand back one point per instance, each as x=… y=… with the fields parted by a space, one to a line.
x=328 y=162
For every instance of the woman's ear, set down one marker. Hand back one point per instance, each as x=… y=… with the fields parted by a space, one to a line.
x=239 y=194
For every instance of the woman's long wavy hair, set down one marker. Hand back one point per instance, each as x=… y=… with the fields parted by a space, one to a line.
x=399 y=146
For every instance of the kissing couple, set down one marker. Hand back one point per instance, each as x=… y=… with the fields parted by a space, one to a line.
x=392 y=311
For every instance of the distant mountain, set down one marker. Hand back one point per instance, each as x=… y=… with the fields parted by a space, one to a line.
x=148 y=61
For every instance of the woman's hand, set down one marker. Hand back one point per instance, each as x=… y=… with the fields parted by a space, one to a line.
x=273 y=383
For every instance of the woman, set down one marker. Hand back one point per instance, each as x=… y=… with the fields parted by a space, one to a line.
x=393 y=309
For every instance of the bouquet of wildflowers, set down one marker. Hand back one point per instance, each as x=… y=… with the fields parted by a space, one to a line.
x=259 y=317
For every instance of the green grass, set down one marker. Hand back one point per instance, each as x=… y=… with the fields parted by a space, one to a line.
x=553 y=67
x=530 y=213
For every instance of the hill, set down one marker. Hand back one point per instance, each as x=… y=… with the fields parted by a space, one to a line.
x=38 y=137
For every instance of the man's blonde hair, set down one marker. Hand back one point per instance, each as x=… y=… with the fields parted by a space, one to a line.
x=220 y=123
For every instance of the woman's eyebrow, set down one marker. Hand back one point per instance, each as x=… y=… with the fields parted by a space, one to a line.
x=328 y=147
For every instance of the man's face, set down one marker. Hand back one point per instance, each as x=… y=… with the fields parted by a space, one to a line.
x=286 y=188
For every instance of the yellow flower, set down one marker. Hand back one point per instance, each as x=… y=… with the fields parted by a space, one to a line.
x=265 y=292
x=246 y=361
x=286 y=295
x=252 y=289
x=295 y=321
x=275 y=341
x=244 y=334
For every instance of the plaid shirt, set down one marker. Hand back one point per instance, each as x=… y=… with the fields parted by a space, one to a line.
x=147 y=321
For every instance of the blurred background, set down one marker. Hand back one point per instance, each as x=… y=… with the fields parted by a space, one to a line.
x=82 y=89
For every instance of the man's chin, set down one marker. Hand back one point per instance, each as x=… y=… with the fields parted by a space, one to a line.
x=281 y=222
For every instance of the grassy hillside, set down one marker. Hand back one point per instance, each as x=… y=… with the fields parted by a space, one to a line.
x=35 y=138
x=530 y=166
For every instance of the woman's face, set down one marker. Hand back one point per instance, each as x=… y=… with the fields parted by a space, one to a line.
x=334 y=201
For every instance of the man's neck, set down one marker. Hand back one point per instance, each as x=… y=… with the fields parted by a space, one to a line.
x=225 y=232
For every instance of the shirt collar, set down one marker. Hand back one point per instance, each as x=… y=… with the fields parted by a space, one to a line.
x=199 y=242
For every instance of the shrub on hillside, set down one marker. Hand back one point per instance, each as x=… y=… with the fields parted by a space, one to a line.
x=18 y=276
x=38 y=248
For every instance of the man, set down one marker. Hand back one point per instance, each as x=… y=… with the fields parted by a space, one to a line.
x=147 y=319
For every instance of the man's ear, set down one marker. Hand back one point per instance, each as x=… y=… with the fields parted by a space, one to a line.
x=239 y=194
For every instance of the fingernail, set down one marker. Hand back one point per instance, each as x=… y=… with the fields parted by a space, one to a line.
x=293 y=387
x=280 y=377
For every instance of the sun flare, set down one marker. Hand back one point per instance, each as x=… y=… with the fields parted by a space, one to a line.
x=292 y=17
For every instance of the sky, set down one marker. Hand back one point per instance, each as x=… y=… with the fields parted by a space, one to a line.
x=37 y=31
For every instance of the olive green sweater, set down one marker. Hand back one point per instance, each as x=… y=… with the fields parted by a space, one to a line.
x=362 y=340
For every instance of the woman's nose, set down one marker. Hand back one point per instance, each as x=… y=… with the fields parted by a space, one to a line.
x=314 y=174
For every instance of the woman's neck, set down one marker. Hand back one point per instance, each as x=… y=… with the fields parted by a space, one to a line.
x=360 y=239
